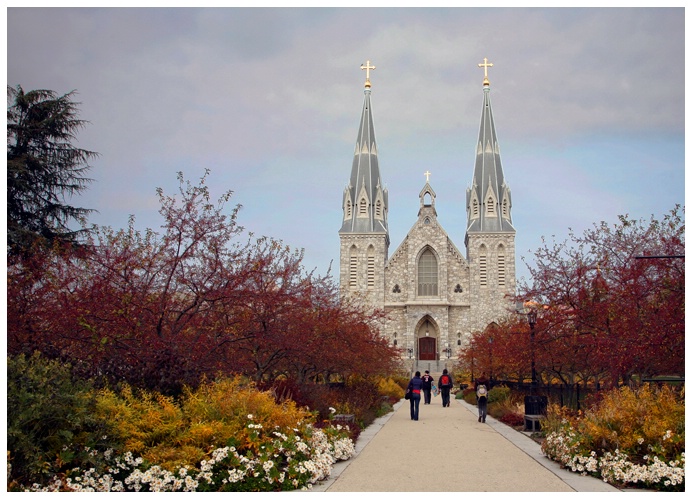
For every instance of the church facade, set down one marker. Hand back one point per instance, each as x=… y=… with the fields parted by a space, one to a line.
x=434 y=294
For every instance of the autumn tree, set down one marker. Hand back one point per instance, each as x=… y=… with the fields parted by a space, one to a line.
x=163 y=310
x=44 y=168
x=621 y=314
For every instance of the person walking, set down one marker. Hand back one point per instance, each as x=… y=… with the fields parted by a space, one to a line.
x=481 y=388
x=445 y=384
x=427 y=383
x=414 y=389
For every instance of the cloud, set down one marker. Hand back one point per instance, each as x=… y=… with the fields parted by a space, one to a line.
x=589 y=107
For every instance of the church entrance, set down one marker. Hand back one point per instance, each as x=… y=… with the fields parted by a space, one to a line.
x=427 y=349
x=427 y=334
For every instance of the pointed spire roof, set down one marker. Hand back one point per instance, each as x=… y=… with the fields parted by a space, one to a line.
x=489 y=200
x=365 y=198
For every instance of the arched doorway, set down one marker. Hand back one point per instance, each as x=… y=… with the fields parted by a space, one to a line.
x=427 y=333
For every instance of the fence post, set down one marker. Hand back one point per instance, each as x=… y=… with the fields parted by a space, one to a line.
x=577 y=396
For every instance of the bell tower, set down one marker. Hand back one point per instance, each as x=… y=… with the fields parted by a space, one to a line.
x=364 y=237
x=490 y=235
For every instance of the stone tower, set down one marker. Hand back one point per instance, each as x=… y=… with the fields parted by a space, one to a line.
x=364 y=238
x=490 y=236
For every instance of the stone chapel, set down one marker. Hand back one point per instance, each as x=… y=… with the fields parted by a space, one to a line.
x=434 y=294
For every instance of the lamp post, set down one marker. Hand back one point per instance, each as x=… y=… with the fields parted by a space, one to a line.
x=471 y=344
x=490 y=357
x=532 y=320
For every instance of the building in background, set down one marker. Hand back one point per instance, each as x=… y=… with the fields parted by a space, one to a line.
x=434 y=294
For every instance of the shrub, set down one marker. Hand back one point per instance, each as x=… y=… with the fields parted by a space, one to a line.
x=509 y=409
x=498 y=394
x=215 y=415
x=223 y=436
x=634 y=437
x=50 y=420
x=388 y=387
x=513 y=419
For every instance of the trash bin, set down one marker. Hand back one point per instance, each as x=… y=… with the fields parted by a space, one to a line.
x=536 y=405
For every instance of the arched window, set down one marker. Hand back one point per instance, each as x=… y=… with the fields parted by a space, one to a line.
x=490 y=206
x=371 y=268
x=363 y=207
x=353 y=268
x=483 y=270
x=428 y=273
x=501 y=266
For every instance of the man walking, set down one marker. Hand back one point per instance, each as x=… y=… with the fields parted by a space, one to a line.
x=445 y=384
x=427 y=382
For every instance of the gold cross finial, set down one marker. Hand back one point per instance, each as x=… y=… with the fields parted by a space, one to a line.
x=486 y=65
x=368 y=69
x=427 y=174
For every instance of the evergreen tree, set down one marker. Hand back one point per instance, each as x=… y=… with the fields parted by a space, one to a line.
x=44 y=169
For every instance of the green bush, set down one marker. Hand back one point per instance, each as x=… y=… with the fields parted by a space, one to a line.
x=498 y=394
x=50 y=420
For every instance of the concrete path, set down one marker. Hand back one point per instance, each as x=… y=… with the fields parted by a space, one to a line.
x=447 y=450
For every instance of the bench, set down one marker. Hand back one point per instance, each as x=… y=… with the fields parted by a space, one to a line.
x=533 y=422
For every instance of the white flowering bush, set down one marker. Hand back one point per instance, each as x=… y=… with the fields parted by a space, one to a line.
x=632 y=438
x=287 y=461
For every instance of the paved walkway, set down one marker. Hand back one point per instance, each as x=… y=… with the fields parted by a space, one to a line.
x=447 y=450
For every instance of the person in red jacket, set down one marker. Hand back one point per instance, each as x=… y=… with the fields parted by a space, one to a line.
x=445 y=384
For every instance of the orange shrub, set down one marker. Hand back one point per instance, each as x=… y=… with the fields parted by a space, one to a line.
x=217 y=414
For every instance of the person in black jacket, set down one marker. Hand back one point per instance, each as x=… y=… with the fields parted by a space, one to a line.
x=427 y=383
x=415 y=387
x=445 y=384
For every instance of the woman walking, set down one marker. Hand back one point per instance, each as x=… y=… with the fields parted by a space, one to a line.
x=414 y=388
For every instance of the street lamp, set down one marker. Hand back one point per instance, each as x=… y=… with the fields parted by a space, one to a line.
x=532 y=320
x=490 y=357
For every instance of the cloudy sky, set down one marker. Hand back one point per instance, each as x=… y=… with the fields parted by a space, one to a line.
x=588 y=104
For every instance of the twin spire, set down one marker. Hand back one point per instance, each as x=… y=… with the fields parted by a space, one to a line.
x=365 y=201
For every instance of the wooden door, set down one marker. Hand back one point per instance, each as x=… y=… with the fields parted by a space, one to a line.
x=427 y=349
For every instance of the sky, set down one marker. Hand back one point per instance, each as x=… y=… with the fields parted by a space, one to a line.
x=588 y=105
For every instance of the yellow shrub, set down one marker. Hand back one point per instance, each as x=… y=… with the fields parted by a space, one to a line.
x=139 y=419
x=630 y=420
x=388 y=387
x=218 y=413
x=172 y=458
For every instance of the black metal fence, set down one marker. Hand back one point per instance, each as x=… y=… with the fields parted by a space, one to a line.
x=570 y=395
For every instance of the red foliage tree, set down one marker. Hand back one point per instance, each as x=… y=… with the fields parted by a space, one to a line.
x=610 y=314
x=606 y=315
x=161 y=311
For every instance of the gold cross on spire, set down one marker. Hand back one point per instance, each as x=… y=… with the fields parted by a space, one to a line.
x=427 y=174
x=368 y=69
x=486 y=65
